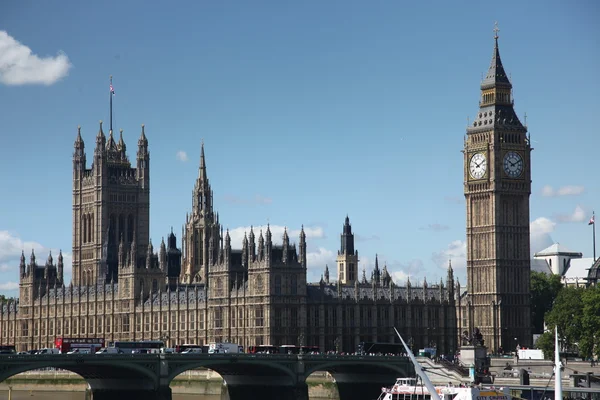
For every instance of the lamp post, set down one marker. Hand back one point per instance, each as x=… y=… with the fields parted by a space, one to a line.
x=337 y=343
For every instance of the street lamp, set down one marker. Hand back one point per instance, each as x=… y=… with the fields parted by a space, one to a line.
x=301 y=342
x=337 y=344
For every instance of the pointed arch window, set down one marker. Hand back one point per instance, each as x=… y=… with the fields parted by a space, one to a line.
x=277 y=284
x=260 y=287
x=219 y=287
x=294 y=284
x=84 y=229
x=130 y=226
x=91 y=227
x=121 y=228
x=112 y=228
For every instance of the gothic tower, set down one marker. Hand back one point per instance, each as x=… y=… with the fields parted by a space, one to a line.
x=497 y=185
x=202 y=235
x=347 y=259
x=111 y=200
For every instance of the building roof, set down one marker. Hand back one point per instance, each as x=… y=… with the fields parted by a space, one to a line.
x=578 y=269
x=557 y=249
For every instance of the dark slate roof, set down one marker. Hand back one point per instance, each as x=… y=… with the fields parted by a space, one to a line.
x=316 y=292
x=496 y=76
x=76 y=291
x=496 y=116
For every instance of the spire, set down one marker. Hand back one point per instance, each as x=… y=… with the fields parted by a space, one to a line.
x=142 y=141
x=496 y=76
x=121 y=145
x=202 y=195
x=78 y=140
x=496 y=103
x=347 y=238
x=326 y=274
x=202 y=170
x=100 y=141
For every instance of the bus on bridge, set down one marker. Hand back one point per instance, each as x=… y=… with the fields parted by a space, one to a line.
x=80 y=345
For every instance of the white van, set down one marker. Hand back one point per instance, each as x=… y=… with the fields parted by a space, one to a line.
x=224 y=348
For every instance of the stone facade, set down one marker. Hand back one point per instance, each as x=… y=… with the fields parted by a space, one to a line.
x=497 y=185
x=207 y=291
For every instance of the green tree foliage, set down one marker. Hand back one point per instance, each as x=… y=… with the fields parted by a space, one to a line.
x=544 y=289
x=589 y=342
x=576 y=313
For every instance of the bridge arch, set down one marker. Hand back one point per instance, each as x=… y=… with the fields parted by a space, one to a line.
x=361 y=377
x=231 y=367
x=106 y=375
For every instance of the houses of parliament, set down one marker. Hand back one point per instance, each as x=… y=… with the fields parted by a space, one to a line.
x=202 y=290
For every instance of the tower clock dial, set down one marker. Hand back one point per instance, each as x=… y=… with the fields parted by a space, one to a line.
x=513 y=164
x=478 y=166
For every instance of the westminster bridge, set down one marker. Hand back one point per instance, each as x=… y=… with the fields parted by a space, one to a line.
x=247 y=376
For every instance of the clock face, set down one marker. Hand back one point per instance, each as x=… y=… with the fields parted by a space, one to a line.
x=478 y=166
x=513 y=164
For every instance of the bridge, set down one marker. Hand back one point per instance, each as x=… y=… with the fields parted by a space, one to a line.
x=247 y=376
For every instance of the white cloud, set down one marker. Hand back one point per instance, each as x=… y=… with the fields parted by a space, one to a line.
x=237 y=234
x=578 y=215
x=456 y=252
x=569 y=190
x=181 y=156
x=19 y=66
x=319 y=258
x=539 y=232
x=11 y=246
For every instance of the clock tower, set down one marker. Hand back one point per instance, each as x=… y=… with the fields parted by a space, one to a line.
x=497 y=185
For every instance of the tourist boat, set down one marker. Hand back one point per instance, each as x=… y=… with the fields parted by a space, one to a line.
x=408 y=389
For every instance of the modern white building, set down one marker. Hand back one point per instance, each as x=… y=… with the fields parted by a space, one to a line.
x=573 y=268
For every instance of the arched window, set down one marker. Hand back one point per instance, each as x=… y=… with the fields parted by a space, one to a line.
x=130 y=226
x=219 y=287
x=260 y=288
x=112 y=228
x=141 y=287
x=121 y=228
x=91 y=223
x=278 y=284
x=294 y=284
x=154 y=286
x=84 y=228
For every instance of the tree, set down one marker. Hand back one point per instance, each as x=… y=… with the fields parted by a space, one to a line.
x=567 y=315
x=544 y=289
x=546 y=343
x=589 y=341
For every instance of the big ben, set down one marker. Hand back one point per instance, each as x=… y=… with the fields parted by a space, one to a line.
x=497 y=185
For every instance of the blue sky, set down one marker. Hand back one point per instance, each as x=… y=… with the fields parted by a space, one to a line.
x=309 y=111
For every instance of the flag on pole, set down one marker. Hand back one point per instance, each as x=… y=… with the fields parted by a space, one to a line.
x=592 y=220
x=112 y=90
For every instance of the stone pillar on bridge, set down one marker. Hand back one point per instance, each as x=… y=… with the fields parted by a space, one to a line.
x=361 y=387
x=268 y=391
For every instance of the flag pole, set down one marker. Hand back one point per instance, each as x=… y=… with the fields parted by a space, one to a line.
x=110 y=93
x=594 y=233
